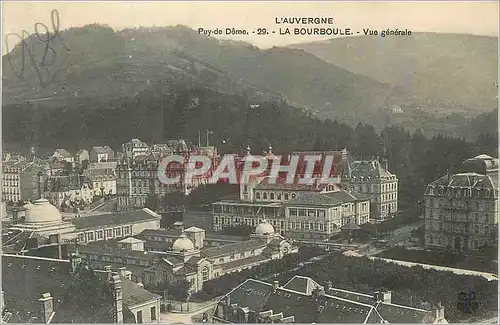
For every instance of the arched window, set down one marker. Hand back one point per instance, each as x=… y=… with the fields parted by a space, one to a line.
x=257 y=195
x=205 y=274
x=294 y=195
x=165 y=275
x=286 y=196
x=272 y=196
x=265 y=196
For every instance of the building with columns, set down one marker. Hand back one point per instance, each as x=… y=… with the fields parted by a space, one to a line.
x=315 y=210
x=158 y=259
x=461 y=210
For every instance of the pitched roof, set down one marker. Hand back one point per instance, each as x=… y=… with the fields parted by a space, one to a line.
x=131 y=240
x=368 y=170
x=301 y=284
x=296 y=299
x=244 y=261
x=62 y=152
x=232 y=248
x=251 y=293
x=282 y=183
x=134 y=295
x=467 y=180
x=102 y=149
x=323 y=199
x=114 y=219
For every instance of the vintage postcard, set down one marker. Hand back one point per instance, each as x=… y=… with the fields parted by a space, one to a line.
x=250 y=162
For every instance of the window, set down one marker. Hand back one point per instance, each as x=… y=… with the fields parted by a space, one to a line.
x=272 y=196
x=90 y=236
x=265 y=196
x=257 y=195
x=81 y=237
x=279 y=196
x=99 y=234
x=232 y=256
x=118 y=232
x=205 y=274
x=153 y=313
x=293 y=212
x=286 y=196
x=294 y=195
x=139 y=317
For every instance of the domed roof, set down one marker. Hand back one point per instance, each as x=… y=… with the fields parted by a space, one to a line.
x=264 y=228
x=28 y=206
x=182 y=244
x=42 y=212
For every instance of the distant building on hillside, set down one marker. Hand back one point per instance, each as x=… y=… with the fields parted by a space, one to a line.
x=101 y=154
x=135 y=148
x=461 y=210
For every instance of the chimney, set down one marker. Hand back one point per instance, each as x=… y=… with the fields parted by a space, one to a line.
x=318 y=292
x=123 y=272
x=440 y=312
x=116 y=287
x=383 y=296
x=276 y=285
x=47 y=307
x=75 y=260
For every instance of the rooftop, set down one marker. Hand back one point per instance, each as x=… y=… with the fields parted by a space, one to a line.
x=323 y=199
x=114 y=219
x=232 y=248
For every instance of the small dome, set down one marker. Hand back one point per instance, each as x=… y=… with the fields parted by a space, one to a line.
x=265 y=228
x=182 y=244
x=42 y=212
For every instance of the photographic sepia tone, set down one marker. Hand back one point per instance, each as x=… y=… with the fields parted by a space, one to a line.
x=256 y=162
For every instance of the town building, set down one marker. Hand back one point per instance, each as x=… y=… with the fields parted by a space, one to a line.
x=101 y=154
x=44 y=226
x=45 y=290
x=317 y=215
x=135 y=148
x=298 y=211
x=70 y=190
x=302 y=300
x=103 y=180
x=81 y=156
x=135 y=181
x=62 y=155
x=461 y=210
x=20 y=181
x=372 y=178
x=138 y=178
x=187 y=257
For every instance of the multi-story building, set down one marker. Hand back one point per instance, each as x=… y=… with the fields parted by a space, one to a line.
x=188 y=257
x=135 y=148
x=297 y=210
x=64 y=191
x=302 y=300
x=461 y=210
x=373 y=179
x=318 y=215
x=101 y=154
x=138 y=178
x=103 y=181
x=63 y=155
x=21 y=181
x=135 y=181
x=81 y=156
x=39 y=290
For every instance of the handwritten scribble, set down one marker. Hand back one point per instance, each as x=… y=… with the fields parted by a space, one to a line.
x=43 y=65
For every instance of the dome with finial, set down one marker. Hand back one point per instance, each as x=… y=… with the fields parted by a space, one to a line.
x=43 y=212
x=264 y=228
x=248 y=155
x=182 y=244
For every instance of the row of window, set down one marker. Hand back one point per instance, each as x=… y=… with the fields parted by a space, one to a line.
x=317 y=213
x=110 y=233
x=388 y=197
x=460 y=192
x=274 y=196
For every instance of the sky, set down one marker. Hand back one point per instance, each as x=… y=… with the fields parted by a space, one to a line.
x=474 y=17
